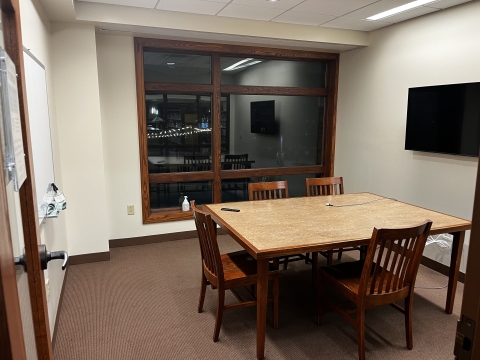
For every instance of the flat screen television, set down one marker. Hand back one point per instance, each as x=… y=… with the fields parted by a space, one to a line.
x=262 y=117
x=444 y=119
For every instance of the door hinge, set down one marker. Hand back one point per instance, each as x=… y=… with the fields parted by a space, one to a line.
x=464 y=338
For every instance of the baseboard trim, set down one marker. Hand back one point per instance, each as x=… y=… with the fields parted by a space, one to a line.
x=152 y=239
x=441 y=268
x=89 y=258
x=59 y=308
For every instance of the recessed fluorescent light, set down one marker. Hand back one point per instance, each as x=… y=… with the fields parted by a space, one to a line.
x=231 y=67
x=273 y=0
x=170 y=63
x=247 y=65
x=400 y=9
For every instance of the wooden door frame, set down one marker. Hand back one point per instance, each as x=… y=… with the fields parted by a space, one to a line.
x=471 y=292
x=14 y=47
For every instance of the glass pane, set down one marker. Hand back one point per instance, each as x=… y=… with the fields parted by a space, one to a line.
x=272 y=131
x=261 y=72
x=179 y=133
x=177 y=68
x=237 y=189
x=171 y=195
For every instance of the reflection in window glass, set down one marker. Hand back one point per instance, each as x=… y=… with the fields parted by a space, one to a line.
x=176 y=68
x=172 y=195
x=261 y=72
x=237 y=189
x=273 y=131
x=179 y=133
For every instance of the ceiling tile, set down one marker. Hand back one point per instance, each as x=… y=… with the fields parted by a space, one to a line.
x=410 y=14
x=136 y=3
x=355 y=24
x=191 y=6
x=294 y=17
x=374 y=9
x=446 y=3
x=282 y=4
x=332 y=7
x=250 y=12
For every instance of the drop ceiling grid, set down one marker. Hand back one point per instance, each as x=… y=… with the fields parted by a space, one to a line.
x=342 y=14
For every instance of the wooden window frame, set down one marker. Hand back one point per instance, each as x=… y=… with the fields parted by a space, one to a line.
x=215 y=89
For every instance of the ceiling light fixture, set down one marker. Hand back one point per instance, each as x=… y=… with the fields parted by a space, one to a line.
x=273 y=0
x=400 y=9
x=170 y=63
x=247 y=65
x=232 y=67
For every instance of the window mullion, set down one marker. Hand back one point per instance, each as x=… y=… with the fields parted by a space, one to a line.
x=216 y=130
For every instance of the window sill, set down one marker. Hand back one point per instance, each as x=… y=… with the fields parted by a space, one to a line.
x=165 y=215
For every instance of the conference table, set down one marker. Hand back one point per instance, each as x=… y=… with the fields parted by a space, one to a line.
x=269 y=229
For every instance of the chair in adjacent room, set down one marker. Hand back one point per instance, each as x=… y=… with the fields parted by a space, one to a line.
x=235 y=162
x=268 y=191
x=228 y=272
x=199 y=162
x=385 y=276
x=323 y=187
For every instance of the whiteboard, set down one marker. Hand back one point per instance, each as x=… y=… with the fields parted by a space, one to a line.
x=40 y=134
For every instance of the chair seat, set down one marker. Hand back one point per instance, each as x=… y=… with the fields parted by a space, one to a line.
x=348 y=275
x=239 y=265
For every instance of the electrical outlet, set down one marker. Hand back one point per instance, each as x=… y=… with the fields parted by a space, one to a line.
x=130 y=210
x=47 y=289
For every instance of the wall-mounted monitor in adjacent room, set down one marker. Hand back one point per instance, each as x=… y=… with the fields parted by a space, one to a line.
x=444 y=119
x=262 y=117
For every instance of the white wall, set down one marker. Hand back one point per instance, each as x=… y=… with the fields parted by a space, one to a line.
x=116 y=71
x=36 y=37
x=440 y=48
x=80 y=136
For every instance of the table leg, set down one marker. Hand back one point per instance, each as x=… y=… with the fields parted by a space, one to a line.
x=457 y=247
x=262 y=294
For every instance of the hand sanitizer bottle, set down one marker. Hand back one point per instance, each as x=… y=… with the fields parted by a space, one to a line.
x=185 y=204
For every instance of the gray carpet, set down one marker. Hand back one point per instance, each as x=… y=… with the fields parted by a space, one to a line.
x=142 y=305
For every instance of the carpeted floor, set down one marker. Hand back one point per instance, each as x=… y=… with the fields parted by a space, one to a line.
x=142 y=305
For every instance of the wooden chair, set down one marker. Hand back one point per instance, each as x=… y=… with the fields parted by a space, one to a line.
x=198 y=162
x=227 y=271
x=235 y=162
x=383 y=277
x=273 y=190
x=323 y=187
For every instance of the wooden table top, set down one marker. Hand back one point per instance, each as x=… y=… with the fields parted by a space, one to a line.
x=271 y=228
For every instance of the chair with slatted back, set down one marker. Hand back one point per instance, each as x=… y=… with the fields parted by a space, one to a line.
x=199 y=162
x=228 y=271
x=323 y=187
x=385 y=276
x=235 y=162
x=268 y=191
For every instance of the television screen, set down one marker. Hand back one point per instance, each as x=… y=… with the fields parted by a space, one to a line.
x=444 y=119
x=262 y=117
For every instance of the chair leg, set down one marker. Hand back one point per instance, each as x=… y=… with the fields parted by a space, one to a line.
x=203 y=288
x=363 y=252
x=340 y=253
x=320 y=293
x=329 y=257
x=275 y=300
x=307 y=258
x=285 y=263
x=276 y=263
x=361 y=333
x=408 y=321
x=220 y=308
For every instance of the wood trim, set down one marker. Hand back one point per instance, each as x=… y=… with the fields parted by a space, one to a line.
x=181 y=177
x=142 y=132
x=272 y=90
x=14 y=47
x=154 y=239
x=296 y=170
x=59 y=307
x=331 y=117
x=89 y=258
x=163 y=215
x=226 y=49
x=203 y=89
x=440 y=268
x=216 y=130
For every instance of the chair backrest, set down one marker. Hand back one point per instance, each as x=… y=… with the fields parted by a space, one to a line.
x=235 y=162
x=207 y=237
x=324 y=186
x=267 y=190
x=197 y=159
x=394 y=265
